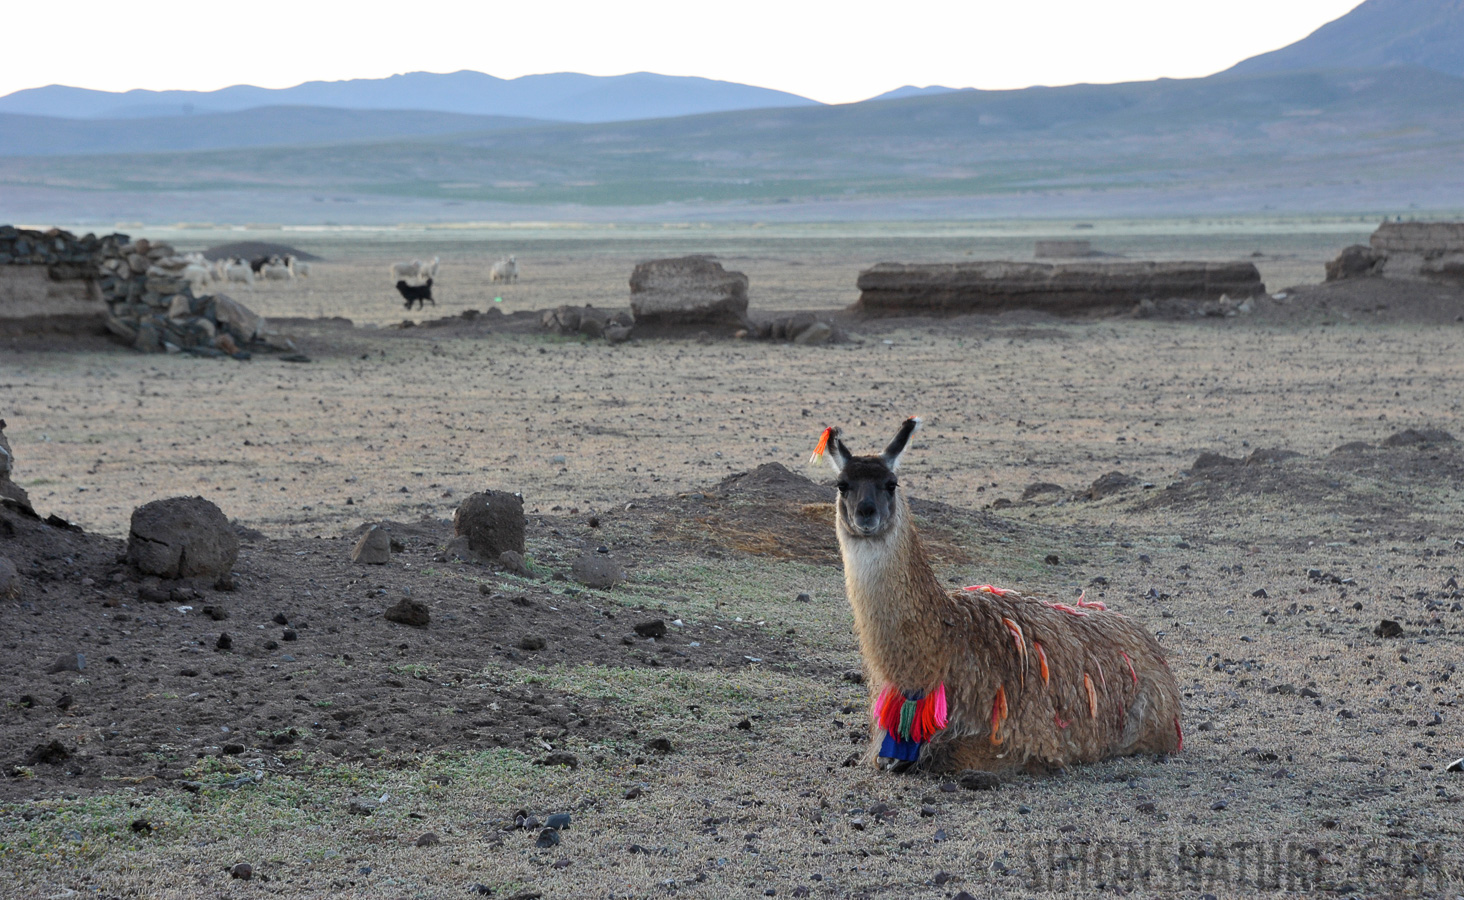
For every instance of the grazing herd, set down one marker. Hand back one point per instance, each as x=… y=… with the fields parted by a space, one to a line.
x=238 y=270
x=413 y=280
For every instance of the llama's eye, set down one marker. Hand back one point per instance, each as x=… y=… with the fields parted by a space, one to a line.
x=891 y=485
x=843 y=487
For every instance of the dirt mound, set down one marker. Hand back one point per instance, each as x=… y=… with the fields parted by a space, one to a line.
x=1371 y=300
x=252 y=249
x=1375 y=487
x=774 y=480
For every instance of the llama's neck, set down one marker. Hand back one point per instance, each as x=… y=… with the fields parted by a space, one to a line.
x=896 y=601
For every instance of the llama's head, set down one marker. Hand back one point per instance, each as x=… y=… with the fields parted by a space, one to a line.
x=866 y=505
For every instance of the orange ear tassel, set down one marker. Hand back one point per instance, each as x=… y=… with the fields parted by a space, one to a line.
x=823 y=444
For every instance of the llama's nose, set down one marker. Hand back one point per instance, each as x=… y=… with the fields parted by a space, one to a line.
x=865 y=510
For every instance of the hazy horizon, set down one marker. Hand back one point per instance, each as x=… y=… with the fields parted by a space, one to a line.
x=933 y=43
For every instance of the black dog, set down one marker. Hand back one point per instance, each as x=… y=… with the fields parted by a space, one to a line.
x=416 y=293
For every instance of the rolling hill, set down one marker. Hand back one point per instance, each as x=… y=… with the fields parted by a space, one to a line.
x=1212 y=136
x=24 y=135
x=1424 y=33
x=564 y=96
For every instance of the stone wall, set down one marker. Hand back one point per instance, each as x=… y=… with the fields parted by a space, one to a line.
x=1409 y=251
x=50 y=277
x=137 y=289
x=1070 y=288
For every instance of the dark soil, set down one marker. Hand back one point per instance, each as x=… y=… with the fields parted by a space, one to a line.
x=312 y=664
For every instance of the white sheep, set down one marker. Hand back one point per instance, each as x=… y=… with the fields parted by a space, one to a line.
x=299 y=268
x=199 y=276
x=239 y=271
x=429 y=270
x=406 y=271
x=275 y=271
x=504 y=270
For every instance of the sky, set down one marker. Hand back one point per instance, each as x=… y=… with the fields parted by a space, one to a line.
x=834 y=52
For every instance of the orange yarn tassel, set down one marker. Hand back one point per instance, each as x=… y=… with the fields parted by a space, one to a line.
x=823 y=444
x=998 y=712
x=1092 y=696
x=1042 y=658
x=1131 y=667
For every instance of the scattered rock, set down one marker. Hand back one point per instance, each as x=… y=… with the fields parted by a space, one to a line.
x=409 y=612
x=181 y=537
x=1388 y=628
x=653 y=628
x=492 y=521
x=558 y=821
x=596 y=571
x=817 y=333
x=659 y=745
x=51 y=754
x=547 y=838
x=242 y=871
x=428 y=840
x=1356 y=261
x=67 y=662
x=559 y=758
x=532 y=642
x=141 y=826
x=361 y=807
x=1455 y=766
x=374 y=547
x=513 y=562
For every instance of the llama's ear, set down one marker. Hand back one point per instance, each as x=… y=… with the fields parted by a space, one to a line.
x=831 y=447
x=896 y=449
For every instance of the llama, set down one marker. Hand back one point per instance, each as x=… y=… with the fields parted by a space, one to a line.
x=984 y=678
x=504 y=270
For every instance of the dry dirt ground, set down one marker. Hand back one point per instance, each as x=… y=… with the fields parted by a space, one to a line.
x=326 y=742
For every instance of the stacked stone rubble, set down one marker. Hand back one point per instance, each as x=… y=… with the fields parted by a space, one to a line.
x=150 y=303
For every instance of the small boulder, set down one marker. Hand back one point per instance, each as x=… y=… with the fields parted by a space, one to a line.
x=492 y=521
x=597 y=571
x=181 y=537
x=817 y=333
x=654 y=628
x=1388 y=628
x=1357 y=261
x=67 y=662
x=513 y=562
x=374 y=547
x=617 y=334
x=409 y=612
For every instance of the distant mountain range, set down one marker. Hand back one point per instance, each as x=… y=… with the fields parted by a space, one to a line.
x=1424 y=33
x=564 y=96
x=1295 y=134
